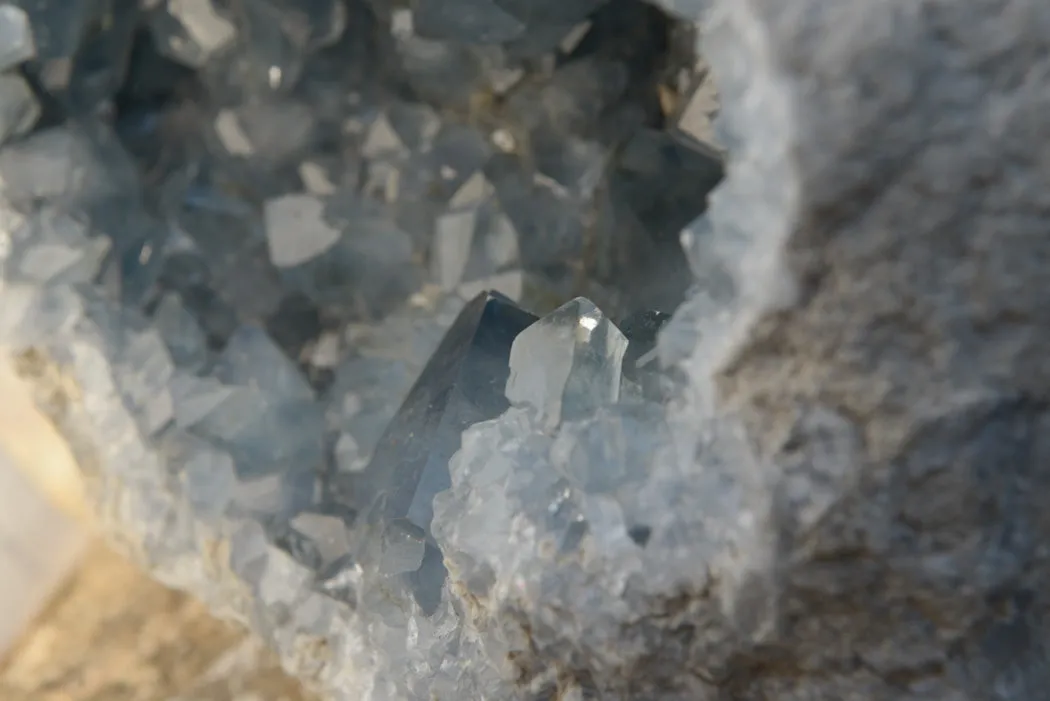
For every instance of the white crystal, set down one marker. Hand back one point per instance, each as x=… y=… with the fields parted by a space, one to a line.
x=500 y=242
x=504 y=140
x=16 y=37
x=348 y=456
x=56 y=162
x=283 y=579
x=231 y=134
x=453 y=237
x=568 y=363
x=18 y=301
x=48 y=261
x=382 y=140
x=402 y=24
x=400 y=550
x=501 y=80
x=54 y=245
x=315 y=180
x=571 y=40
x=472 y=192
x=19 y=109
x=296 y=230
x=205 y=27
x=142 y=373
x=698 y=113
x=327 y=351
x=382 y=181
x=327 y=533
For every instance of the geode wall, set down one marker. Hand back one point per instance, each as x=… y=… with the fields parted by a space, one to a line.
x=883 y=351
x=245 y=249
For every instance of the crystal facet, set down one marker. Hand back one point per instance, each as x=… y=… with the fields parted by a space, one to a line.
x=460 y=386
x=568 y=363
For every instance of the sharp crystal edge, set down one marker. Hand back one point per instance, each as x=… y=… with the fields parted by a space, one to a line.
x=461 y=385
x=568 y=363
x=231 y=241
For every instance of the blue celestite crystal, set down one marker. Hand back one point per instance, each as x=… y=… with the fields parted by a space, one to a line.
x=242 y=228
x=460 y=386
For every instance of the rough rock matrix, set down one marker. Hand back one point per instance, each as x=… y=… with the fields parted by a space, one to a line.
x=357 y=315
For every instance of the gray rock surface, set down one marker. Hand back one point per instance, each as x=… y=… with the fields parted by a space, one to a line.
x=883 y=228
x=842 y=496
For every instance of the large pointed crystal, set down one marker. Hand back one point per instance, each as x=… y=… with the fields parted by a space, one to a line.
x=461 y=385
x=568 y=363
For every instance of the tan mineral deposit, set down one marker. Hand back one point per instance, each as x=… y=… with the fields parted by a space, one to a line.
x=81 y=623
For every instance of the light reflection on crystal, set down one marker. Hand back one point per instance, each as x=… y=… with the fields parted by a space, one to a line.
x=568 y=363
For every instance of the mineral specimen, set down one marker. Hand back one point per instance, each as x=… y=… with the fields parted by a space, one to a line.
x=369 y=385
x=460 y=386
x=231 y=247
x=296 y=230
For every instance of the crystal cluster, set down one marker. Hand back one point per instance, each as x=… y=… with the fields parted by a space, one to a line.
x=308 y=288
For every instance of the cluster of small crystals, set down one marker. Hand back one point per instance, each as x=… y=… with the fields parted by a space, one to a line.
x=248 y=231
x=579 y=529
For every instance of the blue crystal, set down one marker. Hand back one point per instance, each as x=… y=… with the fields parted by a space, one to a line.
x=461 y=385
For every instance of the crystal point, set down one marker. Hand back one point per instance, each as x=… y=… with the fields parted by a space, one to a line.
x=296 y=231
x=568 y=363
x=460 y=386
